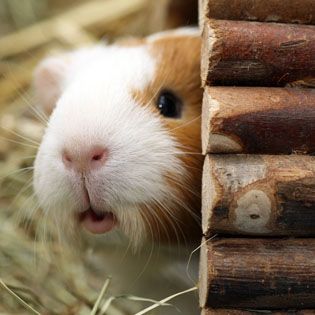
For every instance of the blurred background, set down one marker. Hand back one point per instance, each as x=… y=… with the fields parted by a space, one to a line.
x=45 y=275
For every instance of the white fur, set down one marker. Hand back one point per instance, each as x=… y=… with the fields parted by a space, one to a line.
x=96 y=107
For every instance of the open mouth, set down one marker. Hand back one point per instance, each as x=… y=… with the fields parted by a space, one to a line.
x=96 y=222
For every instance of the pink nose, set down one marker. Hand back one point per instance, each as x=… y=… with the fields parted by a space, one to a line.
x=85 y=159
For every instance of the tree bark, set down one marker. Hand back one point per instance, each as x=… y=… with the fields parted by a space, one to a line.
x=260 y=54
x=209 y=311
x=258 y=120
x=281 y=11
x=258 y=273
x=259 y=195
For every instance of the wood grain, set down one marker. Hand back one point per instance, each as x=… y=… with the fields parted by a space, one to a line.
x=258 y=120
x=259 y=195
x=255 y=312
x=260 y=54
x=293 y=11
x=258 y=273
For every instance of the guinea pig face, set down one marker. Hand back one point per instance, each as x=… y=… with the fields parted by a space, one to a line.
x=121 y=149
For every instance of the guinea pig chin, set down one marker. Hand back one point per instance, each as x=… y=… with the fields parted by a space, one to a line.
x=107 y=175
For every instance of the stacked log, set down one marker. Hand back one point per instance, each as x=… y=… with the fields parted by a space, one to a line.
x=258 y=135
x=258 y=273
x=259 y=195
x=258 y=120
x=293 y=11
x=252 y=54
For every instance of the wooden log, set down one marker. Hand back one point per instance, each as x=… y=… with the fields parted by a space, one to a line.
x=293 y=11
x=258 y=273
x=258 y=120
x=210 y=311
x=252 y=53
x=259 y=195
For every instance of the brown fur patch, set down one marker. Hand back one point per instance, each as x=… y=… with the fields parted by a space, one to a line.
x=178 y=59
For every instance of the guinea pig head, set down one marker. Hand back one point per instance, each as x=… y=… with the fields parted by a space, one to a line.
x=122 y=146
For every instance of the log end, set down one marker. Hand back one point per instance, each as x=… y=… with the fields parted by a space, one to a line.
x=209 y=195
x=205 y=121
x=223 y=144
x=208 y=58
x=203 y=273
x=213 y=142
x=203 y=12
x=235 y=196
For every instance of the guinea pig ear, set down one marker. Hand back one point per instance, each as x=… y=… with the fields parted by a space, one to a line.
x=49 y=79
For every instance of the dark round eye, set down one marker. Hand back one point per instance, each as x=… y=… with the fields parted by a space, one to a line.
x=169 y=104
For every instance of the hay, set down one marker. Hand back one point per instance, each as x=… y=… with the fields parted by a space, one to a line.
x=35 y=276
x=44 y=275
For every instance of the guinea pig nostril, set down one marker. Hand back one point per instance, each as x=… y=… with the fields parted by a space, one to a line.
x=98 y=154
x=97 y=157
x=66 y=158
x=84 y=159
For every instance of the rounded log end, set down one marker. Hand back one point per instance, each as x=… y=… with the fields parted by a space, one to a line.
x=207 y=113
x=203 y=273
x=213 y=142
x=209 y=194
x=223 y=144
x=202 y=4
x=208 y=58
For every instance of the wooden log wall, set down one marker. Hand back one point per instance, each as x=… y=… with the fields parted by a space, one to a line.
x=258 y=132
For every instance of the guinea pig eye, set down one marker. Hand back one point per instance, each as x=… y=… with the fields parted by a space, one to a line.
x=169 y=104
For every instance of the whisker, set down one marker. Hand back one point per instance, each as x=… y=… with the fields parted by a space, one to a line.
x=20 y=136
x=21 y=170
x=158 y=222
x=186 y=123
x=184 y=185
x=193 y=252
x=148 y=259
x=194 y=216
x=57 y=224
x=180 y=202
x=183 y=147
x=177 y=153
x=28 y=157
x=170 y=216
x=25 y=216
x=39 y=115
x=20 y=143
x=25 y=187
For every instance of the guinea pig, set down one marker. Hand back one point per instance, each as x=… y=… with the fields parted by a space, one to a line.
x=121 y=149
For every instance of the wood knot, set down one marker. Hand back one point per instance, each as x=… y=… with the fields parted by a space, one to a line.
x=253 y=211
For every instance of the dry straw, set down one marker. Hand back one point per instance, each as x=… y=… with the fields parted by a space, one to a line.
x=37 y=277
